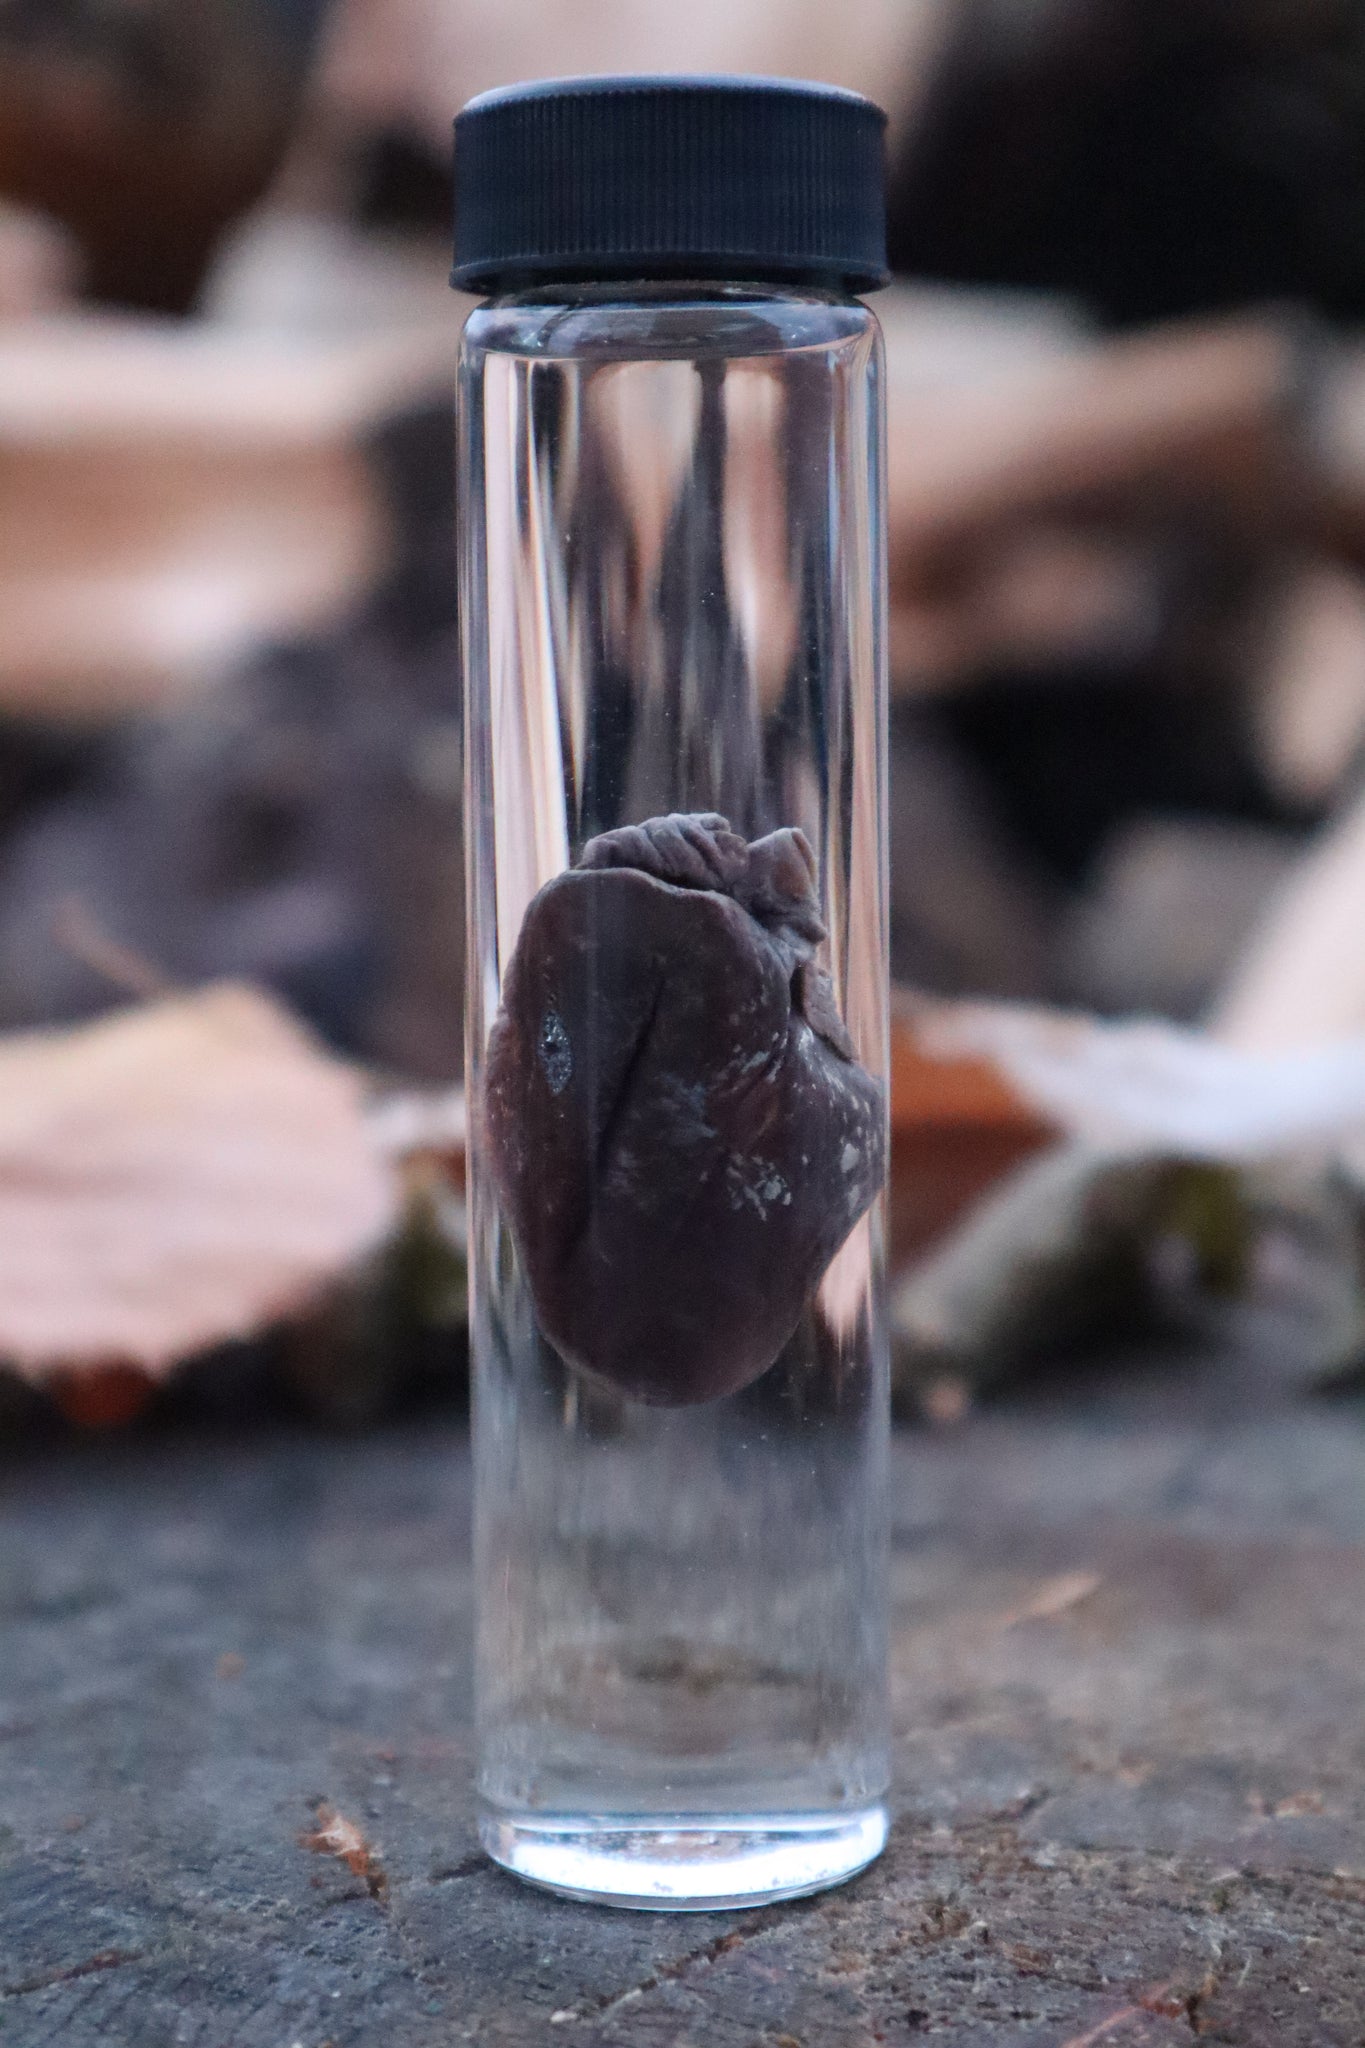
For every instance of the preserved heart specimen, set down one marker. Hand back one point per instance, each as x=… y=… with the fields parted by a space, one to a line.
x=676 y=1120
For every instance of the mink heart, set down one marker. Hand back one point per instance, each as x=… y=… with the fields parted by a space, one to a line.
x=675 y=1118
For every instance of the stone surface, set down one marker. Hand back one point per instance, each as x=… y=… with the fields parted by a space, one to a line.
x=1129 y=1658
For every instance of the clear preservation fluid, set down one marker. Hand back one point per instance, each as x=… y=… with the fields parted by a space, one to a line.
x=673 y=592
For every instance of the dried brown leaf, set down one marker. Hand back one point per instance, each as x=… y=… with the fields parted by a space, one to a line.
x=1153 y=2001
x=174 y=1177
x=337 y=1836
x=1055 y=1596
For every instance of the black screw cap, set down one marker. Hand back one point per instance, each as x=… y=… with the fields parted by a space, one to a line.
x=589 y=179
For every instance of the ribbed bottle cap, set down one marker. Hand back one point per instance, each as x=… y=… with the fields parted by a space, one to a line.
x=751 y=178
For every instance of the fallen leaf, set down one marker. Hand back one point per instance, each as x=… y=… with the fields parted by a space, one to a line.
x=933 y=1083
x=1143 y=1087
x=231 y=1664
x=1152 y=2001
x=1054 y=1597
x=103 y=1398
x=417 y=1126
x=337 y=1836
x=1297 y=1804
x=958 y=1127
x=182 y=1174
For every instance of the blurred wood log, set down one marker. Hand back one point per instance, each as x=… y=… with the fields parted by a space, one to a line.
x=1055 y=501
x=1034 y=473
x=1187 y=414
x=1054 y=1256
x=1167 y=911
x=39 y=267
x=169 y=498
x=1301 y=979
x=295 y=269
x=1335 y=428
x=970 y=912
x=1157 y=157
x=297 y=825
x=1030 y=595
x=1308 y=684
x=414 y=62
x=146 y=126
x=172 y=497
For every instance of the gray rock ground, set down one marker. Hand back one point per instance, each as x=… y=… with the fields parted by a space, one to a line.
x=1130 y=1706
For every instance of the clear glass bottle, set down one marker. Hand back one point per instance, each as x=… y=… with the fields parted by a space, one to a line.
x=673 y=589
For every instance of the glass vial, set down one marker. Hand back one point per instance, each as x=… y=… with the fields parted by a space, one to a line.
x=673 y=592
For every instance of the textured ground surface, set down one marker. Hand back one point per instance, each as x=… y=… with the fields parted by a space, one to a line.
x=1130 y=1689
